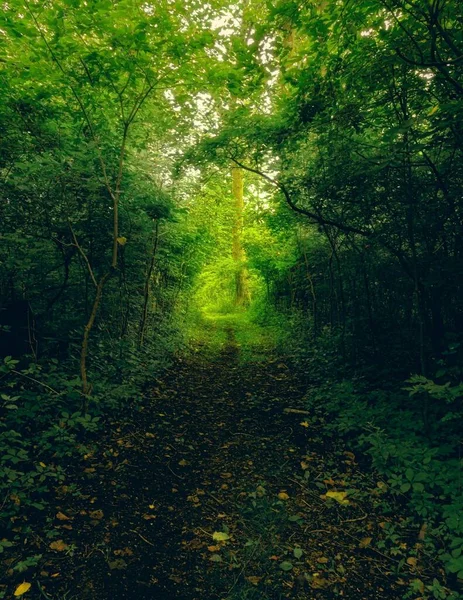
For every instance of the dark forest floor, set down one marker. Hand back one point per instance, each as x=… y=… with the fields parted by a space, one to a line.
x=212 y=450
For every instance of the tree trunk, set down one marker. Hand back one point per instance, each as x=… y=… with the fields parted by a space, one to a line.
x=242 y=295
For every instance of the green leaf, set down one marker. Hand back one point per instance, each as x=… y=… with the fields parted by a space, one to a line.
x=298 y=552
x=286 y=565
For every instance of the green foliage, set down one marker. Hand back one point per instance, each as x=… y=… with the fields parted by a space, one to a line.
x=416 y=463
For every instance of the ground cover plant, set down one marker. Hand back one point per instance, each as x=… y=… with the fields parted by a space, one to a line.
x=231 y=317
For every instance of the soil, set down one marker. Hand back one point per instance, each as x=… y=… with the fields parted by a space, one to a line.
x=215 y=486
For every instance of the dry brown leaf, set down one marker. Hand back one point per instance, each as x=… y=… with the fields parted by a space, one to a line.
x=96 y=514
x=364 y=542
x=59 y=546
x=254 y=579
x=422 y=533
x=62 y=517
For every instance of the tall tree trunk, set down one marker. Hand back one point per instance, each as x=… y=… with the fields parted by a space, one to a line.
x=242 y=295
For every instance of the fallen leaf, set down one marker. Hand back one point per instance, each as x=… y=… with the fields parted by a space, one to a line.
x=183 y=462
x=96 y=514
x=62 y=517
x=304 y=465
x=304 y=423
x=422 y=533
x=364 y=542
x=149 y=517
x=213 y=548
x=338 y=496
x=286 y=565
x=319 y=582
x=220 y=536
x=283 y=496
x=22 y=589
x=323 y=560
x=117 y=564
x=59 y=546
x=411 y=560
x=149 y=435
x=215 y=558
x=253 y=579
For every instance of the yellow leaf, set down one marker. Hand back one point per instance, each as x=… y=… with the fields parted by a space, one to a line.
x=304 y=465
x=411 y=560
x=338 y=496
x=22 y=589
x=122 y=241
x=283 y=496
x=42 y=464
x=213 y=548
x=253 y=579
x=304 y=423
x=364 y=542
x=433 y=110
x=183 y=462
x=59 y=546
x=220 y=536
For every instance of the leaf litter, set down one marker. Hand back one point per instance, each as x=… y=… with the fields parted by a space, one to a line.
x=217 y=453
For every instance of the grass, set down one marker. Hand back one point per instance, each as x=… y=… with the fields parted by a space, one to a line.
x=216 y=331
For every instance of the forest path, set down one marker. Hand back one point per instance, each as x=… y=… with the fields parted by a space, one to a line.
x=212 y=449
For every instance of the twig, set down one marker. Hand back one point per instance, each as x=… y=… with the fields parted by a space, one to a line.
x=35 y=381
x=175 y=474
x=372 y=549
x=354 y=520
x=42 y=592
x=244 y=566
x=84 y=256
x=214 y=498
x=143 y=538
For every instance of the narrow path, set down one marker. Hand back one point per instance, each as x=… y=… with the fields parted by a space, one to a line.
x=213 y=450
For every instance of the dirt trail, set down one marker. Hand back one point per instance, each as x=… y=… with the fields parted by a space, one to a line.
x=212 y=450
